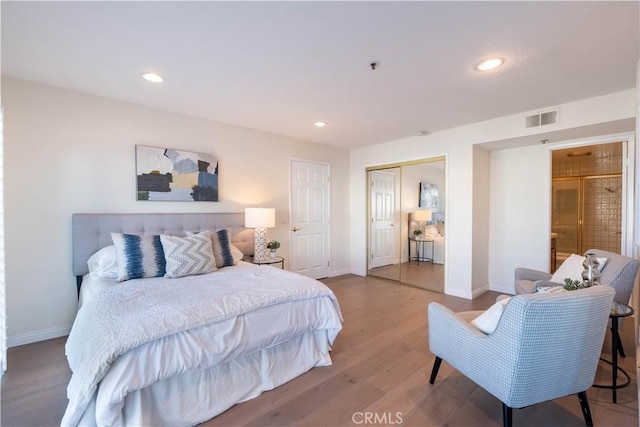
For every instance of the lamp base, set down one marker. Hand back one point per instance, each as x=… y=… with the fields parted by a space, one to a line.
x=260 y=243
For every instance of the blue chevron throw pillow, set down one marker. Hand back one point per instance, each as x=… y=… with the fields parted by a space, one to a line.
x=138 y=256
x=221 y=245
x=189 y=255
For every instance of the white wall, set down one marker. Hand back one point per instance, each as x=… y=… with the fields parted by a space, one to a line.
x=67 y=152
x=589 y=115
x=480 y=215
x=520 y=183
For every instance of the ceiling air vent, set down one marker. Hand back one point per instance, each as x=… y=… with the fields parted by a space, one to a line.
x=542 y=119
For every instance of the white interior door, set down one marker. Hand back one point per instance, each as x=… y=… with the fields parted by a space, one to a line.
x=310 y=218
x=383 y=238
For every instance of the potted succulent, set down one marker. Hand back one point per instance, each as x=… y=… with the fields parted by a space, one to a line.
x=273 y=246
x=417 y=233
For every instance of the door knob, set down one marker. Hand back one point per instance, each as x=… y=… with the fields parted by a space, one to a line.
x=296 y=229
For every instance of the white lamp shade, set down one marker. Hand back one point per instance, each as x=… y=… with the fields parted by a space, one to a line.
x=421 y=215
x=259 y=217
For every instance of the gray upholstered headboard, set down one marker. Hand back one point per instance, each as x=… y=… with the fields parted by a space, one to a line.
x=93 y=231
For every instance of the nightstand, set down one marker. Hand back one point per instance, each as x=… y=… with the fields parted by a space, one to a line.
x=265 y=261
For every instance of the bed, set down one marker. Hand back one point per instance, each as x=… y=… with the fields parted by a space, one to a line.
x=181 y=351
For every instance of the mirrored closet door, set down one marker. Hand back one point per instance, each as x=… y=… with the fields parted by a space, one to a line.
x=406 y=228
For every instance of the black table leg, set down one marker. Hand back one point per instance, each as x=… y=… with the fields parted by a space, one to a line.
x=614 y=361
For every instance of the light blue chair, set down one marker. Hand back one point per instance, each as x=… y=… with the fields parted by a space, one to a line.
x=545 y=346
x=619 y=272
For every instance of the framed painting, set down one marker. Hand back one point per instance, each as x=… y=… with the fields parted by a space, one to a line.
x=165 y=174
x=428 y=196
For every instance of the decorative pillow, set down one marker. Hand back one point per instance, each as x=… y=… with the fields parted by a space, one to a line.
x=188 y=255
x=237 y=254
x=221 y=245
x=572 y=268
x=138 y=256
x=104 y=263
x=440 y=225
x=488 y=321
x=431 y=230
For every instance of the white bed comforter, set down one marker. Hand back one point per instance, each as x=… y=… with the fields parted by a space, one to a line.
x=147 y=330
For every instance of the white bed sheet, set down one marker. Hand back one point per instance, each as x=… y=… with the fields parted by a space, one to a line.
x=92 y=286
x=438 y=250
x=140 y=385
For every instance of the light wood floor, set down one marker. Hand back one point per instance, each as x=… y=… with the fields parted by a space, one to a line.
x=381 y=366
x=425 y=275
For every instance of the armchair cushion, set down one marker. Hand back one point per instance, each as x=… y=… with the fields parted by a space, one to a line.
x=572 y=268
x=487 y=321
x=526 y=278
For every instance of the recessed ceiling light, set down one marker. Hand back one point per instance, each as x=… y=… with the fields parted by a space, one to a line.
x=489 y=64
x=320 y=124
x=152 y=77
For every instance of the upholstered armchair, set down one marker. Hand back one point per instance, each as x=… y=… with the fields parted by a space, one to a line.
x=619 y=272
x=545 y=346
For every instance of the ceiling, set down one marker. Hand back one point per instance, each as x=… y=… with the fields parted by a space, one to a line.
x=279 y=67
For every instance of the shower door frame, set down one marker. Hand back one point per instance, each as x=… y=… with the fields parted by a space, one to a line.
x=580 y=208
x=630 y=191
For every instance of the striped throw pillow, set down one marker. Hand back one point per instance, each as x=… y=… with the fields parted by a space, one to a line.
x=221 y=245
x=189 y=255
x=138 y=256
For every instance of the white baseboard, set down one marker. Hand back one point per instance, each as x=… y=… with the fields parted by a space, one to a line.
x=342 y=272
x=503 y=289
x=42 y=335
x=358 y=272
x=477 y=292
x=465 y=295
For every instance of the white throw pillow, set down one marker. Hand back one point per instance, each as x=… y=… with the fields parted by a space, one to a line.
x=572 y=269
x=189 y=255
x=488 y=321
x=104 y=263
x=431 y=230
x=237 y=254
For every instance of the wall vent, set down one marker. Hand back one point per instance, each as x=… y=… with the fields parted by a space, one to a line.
x=542 y=119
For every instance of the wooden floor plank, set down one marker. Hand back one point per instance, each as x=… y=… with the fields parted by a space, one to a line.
x=381 y=367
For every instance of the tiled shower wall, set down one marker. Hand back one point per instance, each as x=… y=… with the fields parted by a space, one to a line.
x=602 y=223
x=605 y=159
x=602 y=200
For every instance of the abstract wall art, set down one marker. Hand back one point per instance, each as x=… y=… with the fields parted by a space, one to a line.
x=164 y=174
x=428 y=196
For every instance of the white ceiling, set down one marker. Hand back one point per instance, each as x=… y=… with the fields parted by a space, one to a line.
x=280 y=66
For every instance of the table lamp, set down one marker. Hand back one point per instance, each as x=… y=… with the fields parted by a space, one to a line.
x=260 y=219
x=421 y=215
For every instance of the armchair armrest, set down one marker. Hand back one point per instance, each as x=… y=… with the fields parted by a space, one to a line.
x=547 y=284
x=530 y=274
x=454 y=340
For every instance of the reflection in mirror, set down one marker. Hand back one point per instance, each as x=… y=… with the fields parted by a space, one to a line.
x=422 y=205
x=406 y=224
x=384 y=240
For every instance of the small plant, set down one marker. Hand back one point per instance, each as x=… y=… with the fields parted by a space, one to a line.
x=417 y=232
x=572 y=285
x=273 y=245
